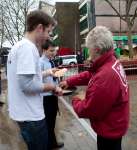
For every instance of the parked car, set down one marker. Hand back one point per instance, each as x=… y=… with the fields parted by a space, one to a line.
x=67 y=59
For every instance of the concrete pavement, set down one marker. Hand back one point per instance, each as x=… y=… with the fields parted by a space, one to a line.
x=69 y=128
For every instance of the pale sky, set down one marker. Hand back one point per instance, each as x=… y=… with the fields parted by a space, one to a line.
x=53 y=1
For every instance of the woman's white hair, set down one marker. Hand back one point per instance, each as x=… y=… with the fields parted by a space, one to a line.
x=100 y=38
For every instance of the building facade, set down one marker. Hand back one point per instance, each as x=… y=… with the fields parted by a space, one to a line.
x=67 y=31
x=48 y=8
x=98 y=12
x=75 y=20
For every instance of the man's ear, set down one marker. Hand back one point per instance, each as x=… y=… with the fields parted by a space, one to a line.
x=39 y=27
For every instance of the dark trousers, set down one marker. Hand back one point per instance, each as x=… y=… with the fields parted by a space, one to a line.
x=108 y=144
x=35 y=134
x=50 y=108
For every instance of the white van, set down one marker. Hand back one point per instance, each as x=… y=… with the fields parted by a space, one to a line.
x=68 y=59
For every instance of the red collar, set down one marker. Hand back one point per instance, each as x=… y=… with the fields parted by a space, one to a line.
x=106 y=57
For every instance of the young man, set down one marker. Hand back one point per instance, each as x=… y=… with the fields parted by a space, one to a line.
x=25 y=81
x=106 y=102
x=50 y=100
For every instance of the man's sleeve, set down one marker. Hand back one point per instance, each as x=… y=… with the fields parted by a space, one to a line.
x=26 y=60
x=99 y=100
x=29 y=85
x=79 y=79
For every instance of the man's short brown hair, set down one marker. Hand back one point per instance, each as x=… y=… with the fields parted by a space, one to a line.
x=37 y=17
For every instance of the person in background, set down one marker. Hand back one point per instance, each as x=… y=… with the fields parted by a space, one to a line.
x=1 y=102
x=106 y=101
x=80 y=59
x=50 y=100
x=25 y=81
x=118 y=51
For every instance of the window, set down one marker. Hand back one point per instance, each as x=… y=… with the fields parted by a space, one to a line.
x=83 y=24
x=83 y=10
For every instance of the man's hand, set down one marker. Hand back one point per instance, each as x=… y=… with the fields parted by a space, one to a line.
x=54 y=70
x=52 y=88
x=49 y=72
x=58 y=91
x=48 y=87
x=63 y=84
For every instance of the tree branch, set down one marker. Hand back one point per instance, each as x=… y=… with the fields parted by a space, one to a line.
x=15 y=12
x=115 y=10
x=9 y=35
x=128 y=7
x=134 y=17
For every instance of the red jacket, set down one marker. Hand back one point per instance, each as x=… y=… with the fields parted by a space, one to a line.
x=106 y=103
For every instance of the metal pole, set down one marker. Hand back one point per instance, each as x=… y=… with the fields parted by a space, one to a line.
x=91 y=14
x=119 y=17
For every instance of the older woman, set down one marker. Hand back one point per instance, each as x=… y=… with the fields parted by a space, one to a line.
x=106 y=102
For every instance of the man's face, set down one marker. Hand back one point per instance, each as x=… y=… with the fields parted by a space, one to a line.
x=92 y=54
x=43 y=34
x=50 y=53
